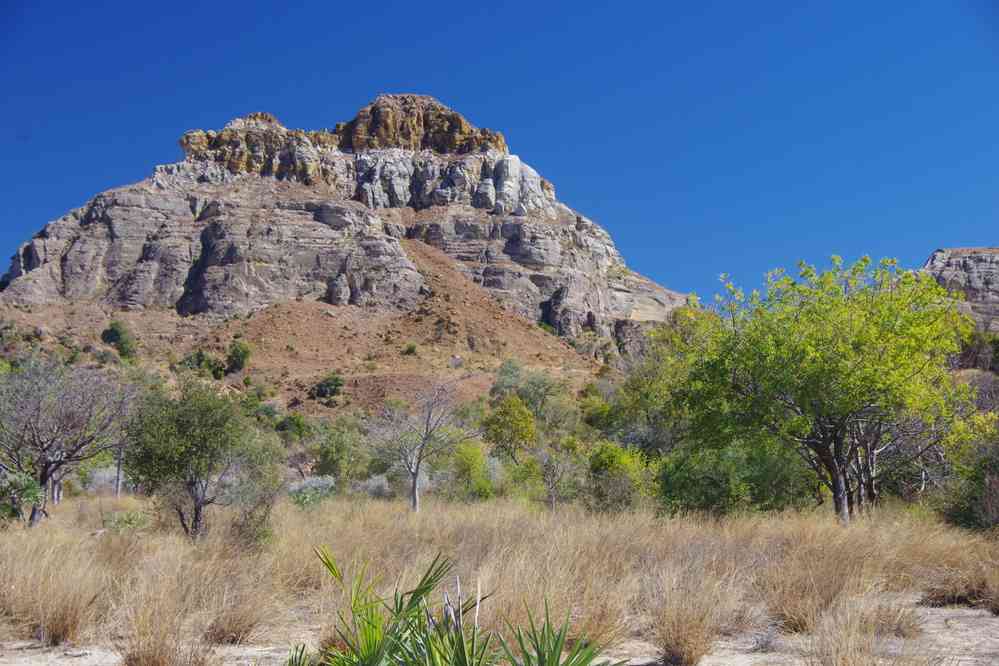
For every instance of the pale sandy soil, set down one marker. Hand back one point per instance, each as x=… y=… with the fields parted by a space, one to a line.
x=962 y=636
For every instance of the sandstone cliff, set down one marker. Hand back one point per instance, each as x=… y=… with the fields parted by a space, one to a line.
x=259 y=214
x=973 y=271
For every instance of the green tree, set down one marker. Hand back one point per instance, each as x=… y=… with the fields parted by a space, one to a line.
x=195 y=450
x=510 y=427
x=847 y=367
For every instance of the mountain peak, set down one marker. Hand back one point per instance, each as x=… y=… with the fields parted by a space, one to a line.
x=415 y=122
x=411 y=122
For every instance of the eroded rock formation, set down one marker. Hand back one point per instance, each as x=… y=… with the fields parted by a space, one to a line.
x=258 y=213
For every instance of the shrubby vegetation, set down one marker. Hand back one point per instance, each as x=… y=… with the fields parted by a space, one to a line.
x=120 y=337
x=836 y=389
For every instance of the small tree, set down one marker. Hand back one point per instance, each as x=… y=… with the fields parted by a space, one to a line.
x=195 y=450
x=415 y=436
x=53 y=417
x=510 y=427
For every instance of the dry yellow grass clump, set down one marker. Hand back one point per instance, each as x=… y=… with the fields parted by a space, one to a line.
x=680 y=583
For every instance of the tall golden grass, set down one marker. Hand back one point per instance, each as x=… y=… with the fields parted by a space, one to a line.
x=679 y=582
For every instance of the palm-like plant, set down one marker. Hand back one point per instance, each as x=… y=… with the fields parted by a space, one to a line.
x=407 y=630
x=545 y=645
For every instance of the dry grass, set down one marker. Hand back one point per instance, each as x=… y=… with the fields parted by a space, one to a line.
x=681 y=582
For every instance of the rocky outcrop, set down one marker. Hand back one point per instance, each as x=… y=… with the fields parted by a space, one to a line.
x=973 y=272
x=258 y=213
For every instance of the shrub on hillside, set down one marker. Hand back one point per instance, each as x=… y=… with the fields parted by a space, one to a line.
x=204 y=363
x=327 y=389
x=238 y=357
x=120 y=337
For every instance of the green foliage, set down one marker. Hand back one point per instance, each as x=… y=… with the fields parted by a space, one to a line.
x=311 y=492
x=204 y=363
x=470 y=472
x=5 y=366
x=971 y=499
x=510 y=427
x=198 y=449
x=126 y=521
x=827 y=365
x=547 y=328
x=327 y=389
x=412 y=628
x=339 y=451
x=409 y=349
x=616 y=479
x=546 y=645
x=238 y=357
x=16 y=492
x=120 y=337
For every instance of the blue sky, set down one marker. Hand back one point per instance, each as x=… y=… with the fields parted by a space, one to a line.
x=707 y=137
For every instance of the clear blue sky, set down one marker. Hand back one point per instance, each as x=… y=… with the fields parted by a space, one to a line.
x=708 y=137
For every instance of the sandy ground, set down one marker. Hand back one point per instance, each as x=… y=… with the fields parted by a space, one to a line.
x=962 y=636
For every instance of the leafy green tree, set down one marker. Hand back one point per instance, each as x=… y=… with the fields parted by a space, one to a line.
x=118 y=335
x=238 y=357
x=195 y=450
x=846 y=367
x=510 y=427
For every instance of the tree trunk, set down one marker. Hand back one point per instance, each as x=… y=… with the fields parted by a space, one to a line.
x=197 y=521
x=414 y=490
x=840 y=501
x=57 y=491
x=117 y=472
x=38 y=509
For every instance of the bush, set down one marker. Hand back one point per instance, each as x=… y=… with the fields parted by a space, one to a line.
x=721 y=480
x=409 y=350
x=204 y=363
x=972 y=497
x=470 y=472
x=327 y=389
x=616 y=478
x=118 y=336
x=310 y=492
x=339 y=452
x=16 y=492
x=238 y=357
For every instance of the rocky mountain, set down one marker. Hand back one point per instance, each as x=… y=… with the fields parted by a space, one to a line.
x=259 y=214
x=973 y=271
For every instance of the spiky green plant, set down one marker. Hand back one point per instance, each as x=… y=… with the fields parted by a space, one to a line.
x=545 y=645
x=407 y=630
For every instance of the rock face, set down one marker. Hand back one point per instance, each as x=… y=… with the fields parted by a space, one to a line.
x=974 y=272
x=258 y=213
